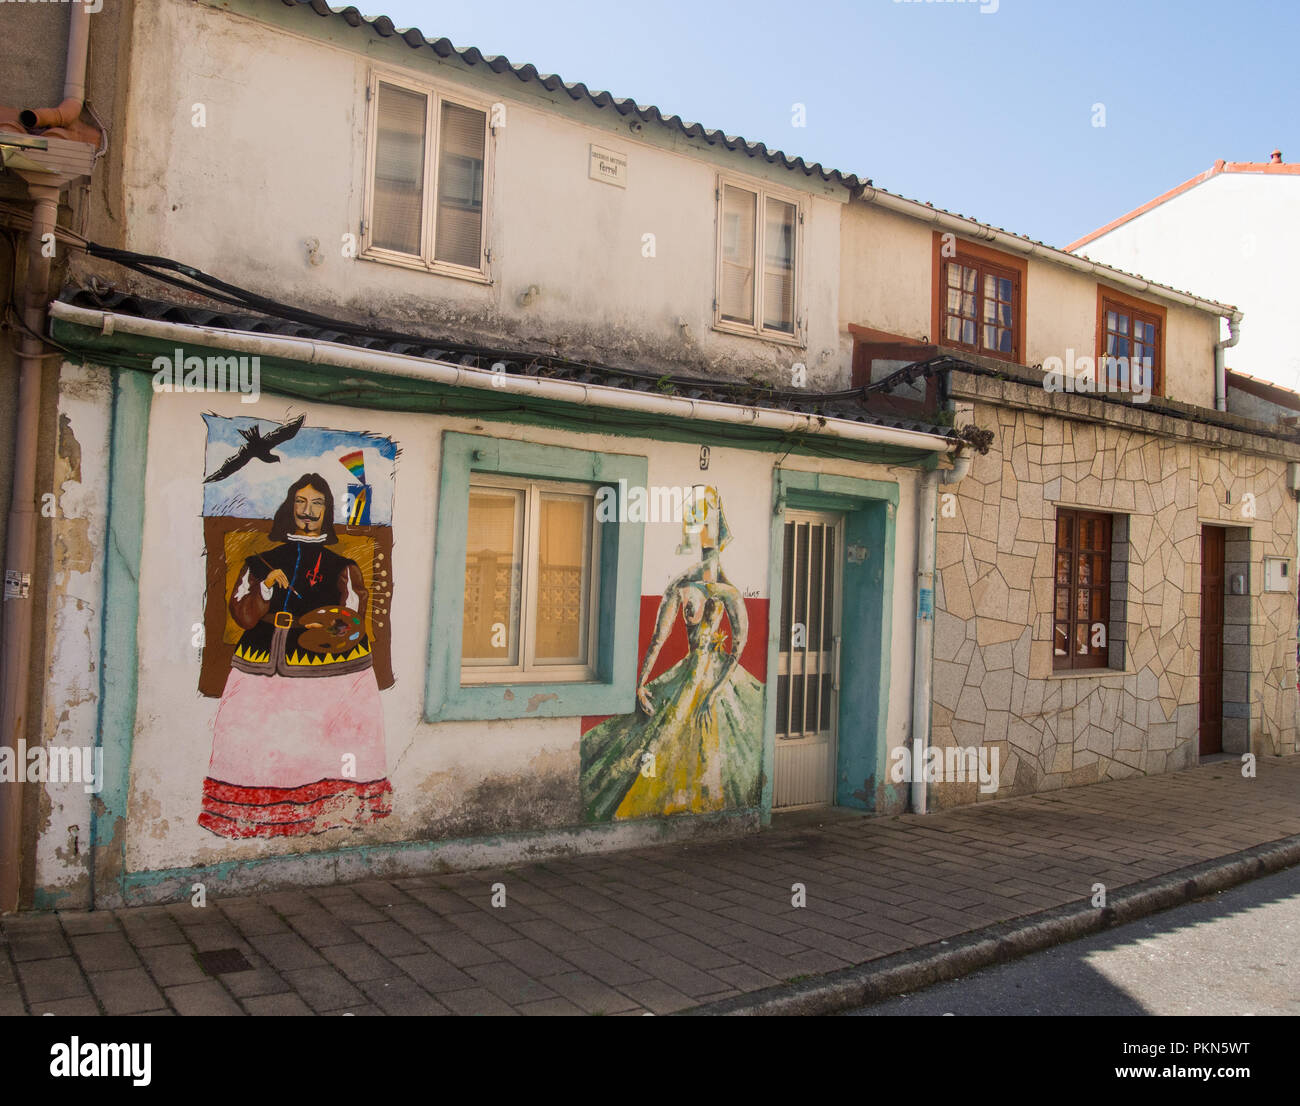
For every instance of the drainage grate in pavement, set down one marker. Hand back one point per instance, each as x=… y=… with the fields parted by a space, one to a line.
x=222 y=961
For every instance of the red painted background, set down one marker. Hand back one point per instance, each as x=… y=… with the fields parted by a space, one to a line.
x=753 y=659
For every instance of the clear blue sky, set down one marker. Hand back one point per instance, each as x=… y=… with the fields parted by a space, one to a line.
x=987 y=113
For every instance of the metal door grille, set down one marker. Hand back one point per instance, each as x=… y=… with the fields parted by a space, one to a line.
x=807 y=676
x=806 y=673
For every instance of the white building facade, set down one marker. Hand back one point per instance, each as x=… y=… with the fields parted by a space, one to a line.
x=1230 y=233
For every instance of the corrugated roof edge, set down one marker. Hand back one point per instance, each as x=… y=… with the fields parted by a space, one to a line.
x=1034 y=245
x=499 y=63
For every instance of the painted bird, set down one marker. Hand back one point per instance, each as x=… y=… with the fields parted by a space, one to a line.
x=257 y=445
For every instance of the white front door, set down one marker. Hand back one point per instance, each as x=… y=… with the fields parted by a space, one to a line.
x=807 y=672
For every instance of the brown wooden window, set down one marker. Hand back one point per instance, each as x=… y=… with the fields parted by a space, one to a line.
x=1130 y=343
x=1081 y=631
x=1132 y=346
x=979 y=299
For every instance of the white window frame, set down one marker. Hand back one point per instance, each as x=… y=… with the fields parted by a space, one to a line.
x=434 y=97
x=764 y=191
x=529 y=669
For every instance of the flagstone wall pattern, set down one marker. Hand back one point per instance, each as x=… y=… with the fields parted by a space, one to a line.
x=993 y=679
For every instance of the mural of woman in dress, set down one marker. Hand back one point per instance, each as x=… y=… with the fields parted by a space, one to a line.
x=298 y=740
x=694 y=744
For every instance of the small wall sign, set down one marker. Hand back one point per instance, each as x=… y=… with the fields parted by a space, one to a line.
x=608 y=165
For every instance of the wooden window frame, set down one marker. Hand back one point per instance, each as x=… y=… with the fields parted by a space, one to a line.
x=435 y=96
x=1134 y=306
x=1072 y=660
x=980 y=257
x=528 y=669
x=763 y=192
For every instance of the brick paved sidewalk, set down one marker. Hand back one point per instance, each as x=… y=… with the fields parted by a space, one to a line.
x=658 y=929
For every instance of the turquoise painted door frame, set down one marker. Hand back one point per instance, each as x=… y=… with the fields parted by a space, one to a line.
x=119 y=653
x=870 y=509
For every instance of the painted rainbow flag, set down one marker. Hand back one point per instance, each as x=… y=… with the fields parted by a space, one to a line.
x=355 y=463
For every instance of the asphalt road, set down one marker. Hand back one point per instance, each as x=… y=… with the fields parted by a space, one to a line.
x=1236 y=953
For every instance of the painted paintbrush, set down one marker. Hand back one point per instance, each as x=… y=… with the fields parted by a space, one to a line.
x=272 y=568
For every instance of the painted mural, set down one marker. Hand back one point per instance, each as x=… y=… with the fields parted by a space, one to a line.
x=694 y=743
x=298 y=536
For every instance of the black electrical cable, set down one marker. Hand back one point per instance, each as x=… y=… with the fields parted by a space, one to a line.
x=941 y=365
x=12 y=307
x=201 y=283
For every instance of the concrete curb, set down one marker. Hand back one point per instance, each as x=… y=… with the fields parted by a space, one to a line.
x=937 y=962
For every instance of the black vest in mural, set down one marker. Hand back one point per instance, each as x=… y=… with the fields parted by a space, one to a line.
x=331 y=639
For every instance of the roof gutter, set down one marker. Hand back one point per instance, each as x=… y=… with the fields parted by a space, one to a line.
x=959 y=224
x=457 y=376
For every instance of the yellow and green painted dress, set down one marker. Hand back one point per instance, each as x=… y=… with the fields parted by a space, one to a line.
x=697 y=762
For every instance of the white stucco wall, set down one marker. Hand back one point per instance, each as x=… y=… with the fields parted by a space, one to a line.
x=1233 y=238
x=281 y=160
x=435 y=768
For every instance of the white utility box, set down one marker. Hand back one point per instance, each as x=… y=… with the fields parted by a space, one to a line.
x=1277 y=574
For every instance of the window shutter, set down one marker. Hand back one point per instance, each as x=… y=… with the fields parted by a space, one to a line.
x=739 y=210
x=399 y=170
x=459 y=236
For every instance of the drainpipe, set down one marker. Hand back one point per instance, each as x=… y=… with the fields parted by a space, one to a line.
x=20 y=543
x=74 y=80
x=1220 y=371
x=20 y=550
x=923 y=661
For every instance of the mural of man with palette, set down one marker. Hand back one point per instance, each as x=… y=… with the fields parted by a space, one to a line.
x=298 y=740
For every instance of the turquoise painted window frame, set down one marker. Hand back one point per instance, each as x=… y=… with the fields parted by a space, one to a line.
x=870 y=510
x=619 y=609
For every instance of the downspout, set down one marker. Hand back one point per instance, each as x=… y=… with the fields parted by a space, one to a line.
x=20 y=547
x=923 y=660
x=20 y=542
x=74 y=80
x=1220 y=370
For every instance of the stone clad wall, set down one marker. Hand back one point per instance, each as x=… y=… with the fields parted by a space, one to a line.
x=993 y=677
